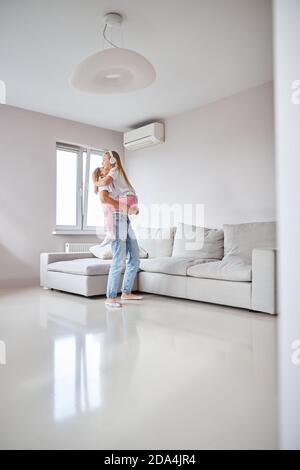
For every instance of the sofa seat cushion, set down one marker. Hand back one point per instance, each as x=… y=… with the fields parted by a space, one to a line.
x=169 y=265
x=84 y=266
x=231 y=268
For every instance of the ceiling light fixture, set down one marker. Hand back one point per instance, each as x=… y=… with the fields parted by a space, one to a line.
x=113 y=70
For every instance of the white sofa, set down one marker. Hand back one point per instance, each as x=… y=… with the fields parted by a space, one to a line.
x=235 y=266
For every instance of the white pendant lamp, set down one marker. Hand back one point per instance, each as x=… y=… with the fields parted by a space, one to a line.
x=113 y=70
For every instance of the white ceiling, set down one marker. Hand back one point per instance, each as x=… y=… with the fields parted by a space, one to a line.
x=202 y=50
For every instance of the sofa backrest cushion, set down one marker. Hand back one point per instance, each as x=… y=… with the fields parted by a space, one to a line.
x=198 y=242
x=156 y=242
x=241 y=239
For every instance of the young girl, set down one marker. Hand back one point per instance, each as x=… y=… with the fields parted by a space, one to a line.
x=97 y=175
x=113 y=179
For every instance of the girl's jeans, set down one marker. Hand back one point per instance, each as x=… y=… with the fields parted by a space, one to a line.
x=124 y=247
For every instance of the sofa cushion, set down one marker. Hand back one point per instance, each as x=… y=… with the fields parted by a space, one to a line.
x=169 y=265
x=192 y=241
x=104 y=252
x=241 y=239
x=156 y=242
x=85 y=266
x=230 y=268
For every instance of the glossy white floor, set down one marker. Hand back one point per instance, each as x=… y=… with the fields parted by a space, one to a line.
x=161 y=374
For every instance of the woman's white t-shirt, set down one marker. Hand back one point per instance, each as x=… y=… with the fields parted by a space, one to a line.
x=120 y=187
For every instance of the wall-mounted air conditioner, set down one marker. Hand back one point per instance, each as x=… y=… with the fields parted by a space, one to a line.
x=145 y=136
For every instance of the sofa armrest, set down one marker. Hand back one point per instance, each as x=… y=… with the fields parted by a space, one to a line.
x=264 y=280
x=47 y=258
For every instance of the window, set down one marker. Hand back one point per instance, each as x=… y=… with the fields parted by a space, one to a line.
x=77 y=206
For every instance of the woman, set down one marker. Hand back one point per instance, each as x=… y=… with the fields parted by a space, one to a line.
x=101 y=178
x=124 y=245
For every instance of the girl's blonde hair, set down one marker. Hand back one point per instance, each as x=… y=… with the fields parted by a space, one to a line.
x=118 y=165
x=95 y=178
x=96 y=175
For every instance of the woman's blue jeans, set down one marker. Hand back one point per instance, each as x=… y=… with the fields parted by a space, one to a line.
x=124 y=248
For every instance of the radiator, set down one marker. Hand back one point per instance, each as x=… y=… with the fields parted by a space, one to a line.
x=78 y=247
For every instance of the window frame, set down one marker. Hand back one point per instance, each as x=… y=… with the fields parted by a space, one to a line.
x=81 y=195
x=85 y=196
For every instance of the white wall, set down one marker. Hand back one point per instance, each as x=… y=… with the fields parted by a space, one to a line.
x=221 y=154
x=27 y=187
x=287 y=70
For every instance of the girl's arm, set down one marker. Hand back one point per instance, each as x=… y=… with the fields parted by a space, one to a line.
x=104 y=181
x=106 y=199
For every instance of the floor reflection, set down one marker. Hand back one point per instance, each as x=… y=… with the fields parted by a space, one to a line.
x=81 y=357
x=76 y=375
x=64 y=377
x=163 y=373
